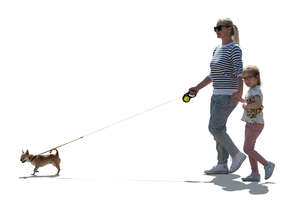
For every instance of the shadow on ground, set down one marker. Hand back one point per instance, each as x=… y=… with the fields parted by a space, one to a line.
x=228 y=183
x=43 y=176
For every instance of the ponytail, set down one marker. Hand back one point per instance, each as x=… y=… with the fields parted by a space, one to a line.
x=235 y=35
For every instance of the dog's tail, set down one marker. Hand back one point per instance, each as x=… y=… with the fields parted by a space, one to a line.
x=55 y=150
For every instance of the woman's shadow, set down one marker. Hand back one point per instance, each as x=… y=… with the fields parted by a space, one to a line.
x=227 y=182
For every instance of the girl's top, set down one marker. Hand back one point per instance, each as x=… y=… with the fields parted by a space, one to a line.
x=253 y=115
x=225 y=66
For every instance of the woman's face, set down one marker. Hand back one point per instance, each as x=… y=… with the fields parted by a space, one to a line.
x=223 y=31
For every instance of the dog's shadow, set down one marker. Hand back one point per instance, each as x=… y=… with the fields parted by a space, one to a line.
x=42 y=176
x=227 y=182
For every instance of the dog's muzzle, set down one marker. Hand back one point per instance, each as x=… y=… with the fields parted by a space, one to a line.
x=22 y=160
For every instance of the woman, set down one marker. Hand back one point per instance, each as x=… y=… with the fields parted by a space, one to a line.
x=226 y=74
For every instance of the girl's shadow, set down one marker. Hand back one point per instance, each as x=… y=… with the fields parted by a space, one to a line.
x=227 y=182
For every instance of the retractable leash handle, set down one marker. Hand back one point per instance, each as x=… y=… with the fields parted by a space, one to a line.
x=187 y=97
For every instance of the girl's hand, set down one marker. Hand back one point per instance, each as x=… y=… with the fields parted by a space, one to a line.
x=244 y=106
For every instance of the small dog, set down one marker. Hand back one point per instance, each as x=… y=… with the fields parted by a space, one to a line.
x=41 y=160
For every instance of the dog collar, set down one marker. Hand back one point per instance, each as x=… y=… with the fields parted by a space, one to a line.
x=33 y=158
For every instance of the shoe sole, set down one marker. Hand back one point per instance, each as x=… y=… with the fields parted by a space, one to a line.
x=240 y=164
x=219 y=172
x=250 y=180
x=266 y=178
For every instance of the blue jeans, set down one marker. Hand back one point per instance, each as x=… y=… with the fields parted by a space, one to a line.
x=220 y=108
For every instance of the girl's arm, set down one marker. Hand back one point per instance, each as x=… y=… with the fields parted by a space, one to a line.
x=257 y=103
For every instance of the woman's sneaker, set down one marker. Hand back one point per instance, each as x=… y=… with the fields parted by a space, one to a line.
x=269 y=168
x=253 y=177
x=218 y=169
x=237 y=161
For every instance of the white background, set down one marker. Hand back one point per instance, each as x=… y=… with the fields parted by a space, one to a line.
x=71 y=67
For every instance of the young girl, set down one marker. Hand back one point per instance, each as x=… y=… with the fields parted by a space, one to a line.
x=253 y=116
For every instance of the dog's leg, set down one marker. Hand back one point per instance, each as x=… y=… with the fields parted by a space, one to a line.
x=35 y=170
x=56 y=164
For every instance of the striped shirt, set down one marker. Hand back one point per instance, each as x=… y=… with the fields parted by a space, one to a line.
x=225 y=66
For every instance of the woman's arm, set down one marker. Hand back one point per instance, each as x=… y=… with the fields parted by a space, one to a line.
x=236 y=60
x=194 y=90
x=237 y=96
x=207 y=80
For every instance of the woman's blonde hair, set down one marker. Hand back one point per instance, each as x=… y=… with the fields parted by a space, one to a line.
x=253 y=71
x=235 y=32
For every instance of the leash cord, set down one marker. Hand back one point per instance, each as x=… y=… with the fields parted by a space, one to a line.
x=114 y=123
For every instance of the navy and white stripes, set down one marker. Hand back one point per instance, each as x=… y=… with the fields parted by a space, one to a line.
x=226 y=65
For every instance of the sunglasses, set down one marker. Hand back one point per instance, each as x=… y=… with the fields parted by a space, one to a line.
x=219 y=27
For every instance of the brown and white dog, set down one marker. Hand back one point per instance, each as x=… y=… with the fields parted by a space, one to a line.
x=41 y=160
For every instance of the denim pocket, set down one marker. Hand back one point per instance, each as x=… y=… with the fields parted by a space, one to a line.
x=223 y=100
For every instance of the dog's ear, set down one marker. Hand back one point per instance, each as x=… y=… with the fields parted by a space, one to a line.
x=27 y=152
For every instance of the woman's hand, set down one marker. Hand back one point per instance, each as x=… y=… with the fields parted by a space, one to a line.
x=244 y=106
x=193 y=91
x=242 y=100
x=237 y=97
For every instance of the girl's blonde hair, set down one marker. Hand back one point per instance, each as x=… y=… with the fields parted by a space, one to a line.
x=235 y=32
x=253 y=71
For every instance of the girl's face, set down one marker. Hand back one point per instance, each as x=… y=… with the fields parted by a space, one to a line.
x=250 y=80
x=222 y=31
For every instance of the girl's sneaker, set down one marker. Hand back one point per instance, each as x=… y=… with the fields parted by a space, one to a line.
x=269 y=168
x=254 y=177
